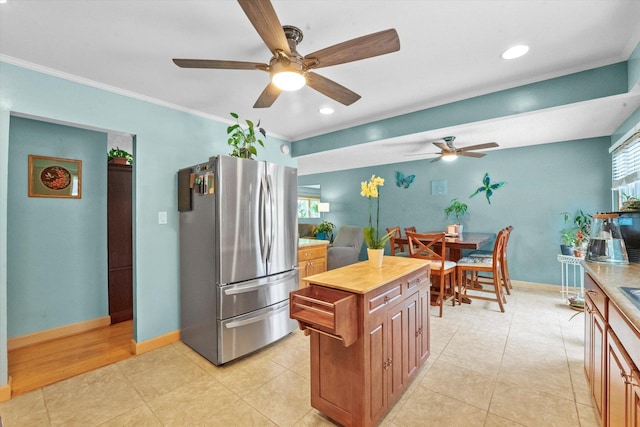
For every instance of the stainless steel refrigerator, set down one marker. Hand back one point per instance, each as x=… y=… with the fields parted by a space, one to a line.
x=238 y=255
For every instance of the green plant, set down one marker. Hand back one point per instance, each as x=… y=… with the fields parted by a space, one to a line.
x=325 y=227
x=456 y=209
x=118 y=152
x=244 y=140
x=577 y=228
x=630 y=203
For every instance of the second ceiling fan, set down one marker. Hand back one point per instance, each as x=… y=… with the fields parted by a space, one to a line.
x=449 y=152
x=288 y=69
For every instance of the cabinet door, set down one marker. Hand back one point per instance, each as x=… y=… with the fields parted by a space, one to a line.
x=588 y=333
x=397 y=346
x=377 y=367
x=620 y=384
x=598 y=360
x=302 y=273
x=635 y=400
x=316 y=266
x=423 y=338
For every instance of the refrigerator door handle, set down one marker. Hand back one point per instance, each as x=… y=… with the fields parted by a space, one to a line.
x=271 y=218
x=260 y=318
x=241 y=289
x=262 y=221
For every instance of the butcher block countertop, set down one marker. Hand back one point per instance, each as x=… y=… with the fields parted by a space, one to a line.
x=361 y=277
x=611 y=278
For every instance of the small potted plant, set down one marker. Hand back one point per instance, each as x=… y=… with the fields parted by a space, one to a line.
x=119 y=156
x=575 y=236
x=324 y=230
x=243 y=141
x=456 y=210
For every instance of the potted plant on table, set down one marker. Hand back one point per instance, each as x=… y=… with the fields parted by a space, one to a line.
x=324 y=230
x=456 y=210
x=119 y=156
x=375 y=243
x=244 y=140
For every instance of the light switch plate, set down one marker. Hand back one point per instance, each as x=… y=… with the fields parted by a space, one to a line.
x=162 y=217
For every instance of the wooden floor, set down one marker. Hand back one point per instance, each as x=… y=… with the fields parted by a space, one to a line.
x=43 y=364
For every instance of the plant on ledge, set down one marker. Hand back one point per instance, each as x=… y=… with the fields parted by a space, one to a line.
x=118 y=153
x=243 y=140
x=369 y=189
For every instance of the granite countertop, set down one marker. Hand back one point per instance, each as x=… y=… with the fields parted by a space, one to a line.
x=361 y=277
x=311 y=242
x=611 y=278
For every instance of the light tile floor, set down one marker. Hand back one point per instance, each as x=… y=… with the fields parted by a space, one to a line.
x=519 y=368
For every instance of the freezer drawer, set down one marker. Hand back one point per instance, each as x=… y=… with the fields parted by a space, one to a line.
x=244 y=297
x=244 y=334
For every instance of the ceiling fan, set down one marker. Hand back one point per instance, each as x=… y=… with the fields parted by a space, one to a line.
x=449 y=152
x=288 y=69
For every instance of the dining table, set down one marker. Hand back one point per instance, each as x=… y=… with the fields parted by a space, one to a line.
x=457 y=243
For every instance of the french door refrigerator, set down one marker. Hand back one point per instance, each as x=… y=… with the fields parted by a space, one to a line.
x=238 y=255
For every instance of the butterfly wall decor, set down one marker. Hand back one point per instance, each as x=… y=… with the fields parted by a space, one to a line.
x=487 y=187
x=404 y=181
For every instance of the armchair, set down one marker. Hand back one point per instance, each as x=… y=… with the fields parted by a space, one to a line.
x=346 y=247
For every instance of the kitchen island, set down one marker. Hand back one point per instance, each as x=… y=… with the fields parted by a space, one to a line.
x=369 y=332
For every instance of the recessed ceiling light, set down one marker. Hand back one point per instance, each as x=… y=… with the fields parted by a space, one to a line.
x=325 y=110
x=515 y=52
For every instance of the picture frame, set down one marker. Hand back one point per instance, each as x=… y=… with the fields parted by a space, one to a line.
x=55 y=177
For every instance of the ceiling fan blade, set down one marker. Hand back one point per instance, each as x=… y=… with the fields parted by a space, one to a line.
x=368 y=46
x=331 y=89
x=443 y=146
x=436 y=159
x=212 y=63
x=470 y=154
x=478 y=147
x=264 y=19
x=268 y=96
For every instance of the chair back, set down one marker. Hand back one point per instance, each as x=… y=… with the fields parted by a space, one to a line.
x=428 y=246
x=395 y=246
x=411 y=229
x=350 y=236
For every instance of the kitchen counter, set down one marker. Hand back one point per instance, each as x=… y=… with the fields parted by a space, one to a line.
x=361 y=278
x=311 y=242
x=610 y=278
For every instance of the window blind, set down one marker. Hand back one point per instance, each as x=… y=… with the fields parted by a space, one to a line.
x=626 y=163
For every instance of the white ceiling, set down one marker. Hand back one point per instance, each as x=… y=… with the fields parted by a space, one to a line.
x=449 y=51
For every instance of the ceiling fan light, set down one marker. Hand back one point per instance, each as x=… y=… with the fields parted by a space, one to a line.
x=449 y=157
x=289 y=80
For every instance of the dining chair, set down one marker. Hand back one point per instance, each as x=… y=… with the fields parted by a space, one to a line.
x=504 y=265
x=432 y=247
x=397 y=248
x=411 y=229
x=470 y=278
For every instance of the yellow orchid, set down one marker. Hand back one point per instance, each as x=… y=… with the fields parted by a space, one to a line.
x=369 y=189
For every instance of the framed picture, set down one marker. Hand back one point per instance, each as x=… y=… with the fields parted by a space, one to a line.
x=55 y=177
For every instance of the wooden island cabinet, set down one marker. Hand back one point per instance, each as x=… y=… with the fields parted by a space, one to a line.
x=369 y=335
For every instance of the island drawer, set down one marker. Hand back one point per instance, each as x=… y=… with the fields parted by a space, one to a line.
x=596 y=295
x=328 y=311
x=386 y=295
x=414 y=282
x=305 y=254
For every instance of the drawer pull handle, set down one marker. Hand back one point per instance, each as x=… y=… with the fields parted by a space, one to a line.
x=386 y=299
x=592 y=292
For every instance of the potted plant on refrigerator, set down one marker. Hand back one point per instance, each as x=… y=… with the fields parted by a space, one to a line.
x=244 y=140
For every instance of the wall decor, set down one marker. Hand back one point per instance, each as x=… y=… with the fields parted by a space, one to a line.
x=404 y=181
x=438 y=187
x=487 y=187
x=55 y=177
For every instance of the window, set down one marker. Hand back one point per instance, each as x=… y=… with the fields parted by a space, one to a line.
x=626 y=169
x=308 y=207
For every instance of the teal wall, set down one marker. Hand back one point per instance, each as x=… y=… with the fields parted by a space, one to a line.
x=541 y=182
x=57 y=259
x=166 y=139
